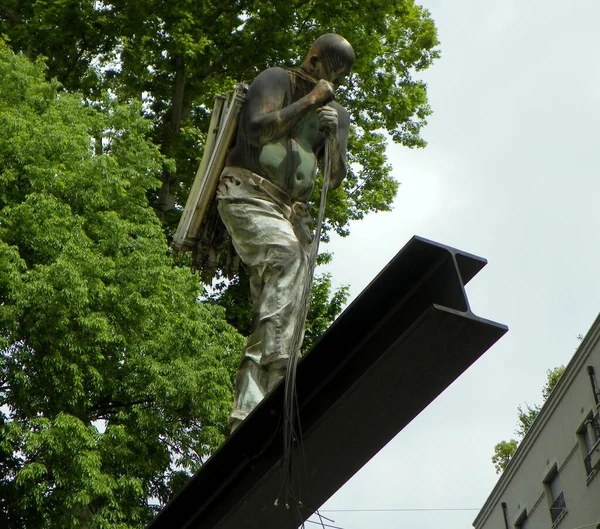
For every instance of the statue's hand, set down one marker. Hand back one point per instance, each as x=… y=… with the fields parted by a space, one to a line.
x=328 y=119
x=323 y=92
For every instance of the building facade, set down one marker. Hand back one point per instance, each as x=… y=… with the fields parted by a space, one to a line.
x=552 y=480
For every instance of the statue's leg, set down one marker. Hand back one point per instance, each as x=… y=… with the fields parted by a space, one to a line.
x=249 y=389
x=268 y=244
x=301 y=222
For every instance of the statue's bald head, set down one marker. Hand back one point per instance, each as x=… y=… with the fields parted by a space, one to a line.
x=329 y=55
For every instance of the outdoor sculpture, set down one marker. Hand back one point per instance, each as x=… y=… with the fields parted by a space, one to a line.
x=398 y=346
x=395 y=349
x=287 y=120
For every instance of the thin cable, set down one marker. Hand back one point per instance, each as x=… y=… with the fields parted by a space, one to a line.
x=321 y=522
x=402 y=510
x=324 y=517
x=292 y=434
x=326 y=525
x=417 y=509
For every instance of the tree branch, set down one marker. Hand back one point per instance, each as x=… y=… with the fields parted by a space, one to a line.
x=111 y=405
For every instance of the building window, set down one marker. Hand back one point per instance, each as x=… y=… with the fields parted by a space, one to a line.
x=558 y=507
x=595 y=427
x=585 y=443
x=555 y=495
x=589 y=441
x=594 y=382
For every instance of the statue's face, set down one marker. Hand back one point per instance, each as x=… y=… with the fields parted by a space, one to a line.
x=338 y=77
x=335 y=76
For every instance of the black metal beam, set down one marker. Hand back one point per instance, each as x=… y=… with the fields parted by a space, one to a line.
x=400 y=344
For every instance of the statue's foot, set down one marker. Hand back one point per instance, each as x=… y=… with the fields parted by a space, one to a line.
x=234 y=424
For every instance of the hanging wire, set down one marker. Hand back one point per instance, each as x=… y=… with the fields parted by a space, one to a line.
x=292 y=434
x=408 y=510
x=437 y=509
x=322 y=524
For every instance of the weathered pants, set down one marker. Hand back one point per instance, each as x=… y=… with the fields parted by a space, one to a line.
x=271 y=234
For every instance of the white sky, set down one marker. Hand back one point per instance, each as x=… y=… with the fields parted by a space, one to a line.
x=511 y=173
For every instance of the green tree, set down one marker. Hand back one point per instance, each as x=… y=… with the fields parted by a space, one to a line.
x=85 y=279
x=115 y=382
x=176 y=55
x=505 y=450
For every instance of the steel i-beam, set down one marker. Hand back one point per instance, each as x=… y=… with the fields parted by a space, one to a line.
x=400 y=344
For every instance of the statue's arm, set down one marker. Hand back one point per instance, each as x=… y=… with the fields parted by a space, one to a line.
x=266 y=117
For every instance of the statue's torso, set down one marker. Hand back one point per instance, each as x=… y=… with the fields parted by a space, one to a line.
x=290 y=162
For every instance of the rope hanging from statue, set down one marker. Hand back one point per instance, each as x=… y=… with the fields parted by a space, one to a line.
x=292 y=434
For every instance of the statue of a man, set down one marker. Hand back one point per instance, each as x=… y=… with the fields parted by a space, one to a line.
x=262 y=199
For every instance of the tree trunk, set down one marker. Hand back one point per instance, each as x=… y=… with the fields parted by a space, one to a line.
x=98 y=144
x=165 y=201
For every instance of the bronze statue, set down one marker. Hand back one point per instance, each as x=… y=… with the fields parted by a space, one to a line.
x=262 y=199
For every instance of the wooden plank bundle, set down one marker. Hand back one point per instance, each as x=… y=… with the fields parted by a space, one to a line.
x=221 y=133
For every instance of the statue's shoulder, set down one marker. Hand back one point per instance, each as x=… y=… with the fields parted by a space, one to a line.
x=270 y=75
x=272 y=82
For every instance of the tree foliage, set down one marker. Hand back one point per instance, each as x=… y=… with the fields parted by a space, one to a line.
x=505 y=450
x=503 y=453
x=176 y=55
x=114 y=379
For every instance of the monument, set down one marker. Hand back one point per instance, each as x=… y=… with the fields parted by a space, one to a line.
x=399 y=345
x=288 y=126
x=284 y=128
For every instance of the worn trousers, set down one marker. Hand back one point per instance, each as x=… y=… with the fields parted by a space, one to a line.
x=271 y=234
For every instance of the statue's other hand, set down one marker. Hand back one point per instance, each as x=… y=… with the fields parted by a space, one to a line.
x=328 y=119
x=323 y=92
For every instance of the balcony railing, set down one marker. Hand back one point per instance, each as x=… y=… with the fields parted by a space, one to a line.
x=596 y=427
x=558 y=507
x=588 y=464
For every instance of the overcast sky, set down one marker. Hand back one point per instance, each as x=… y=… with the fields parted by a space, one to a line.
x=511 y=173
